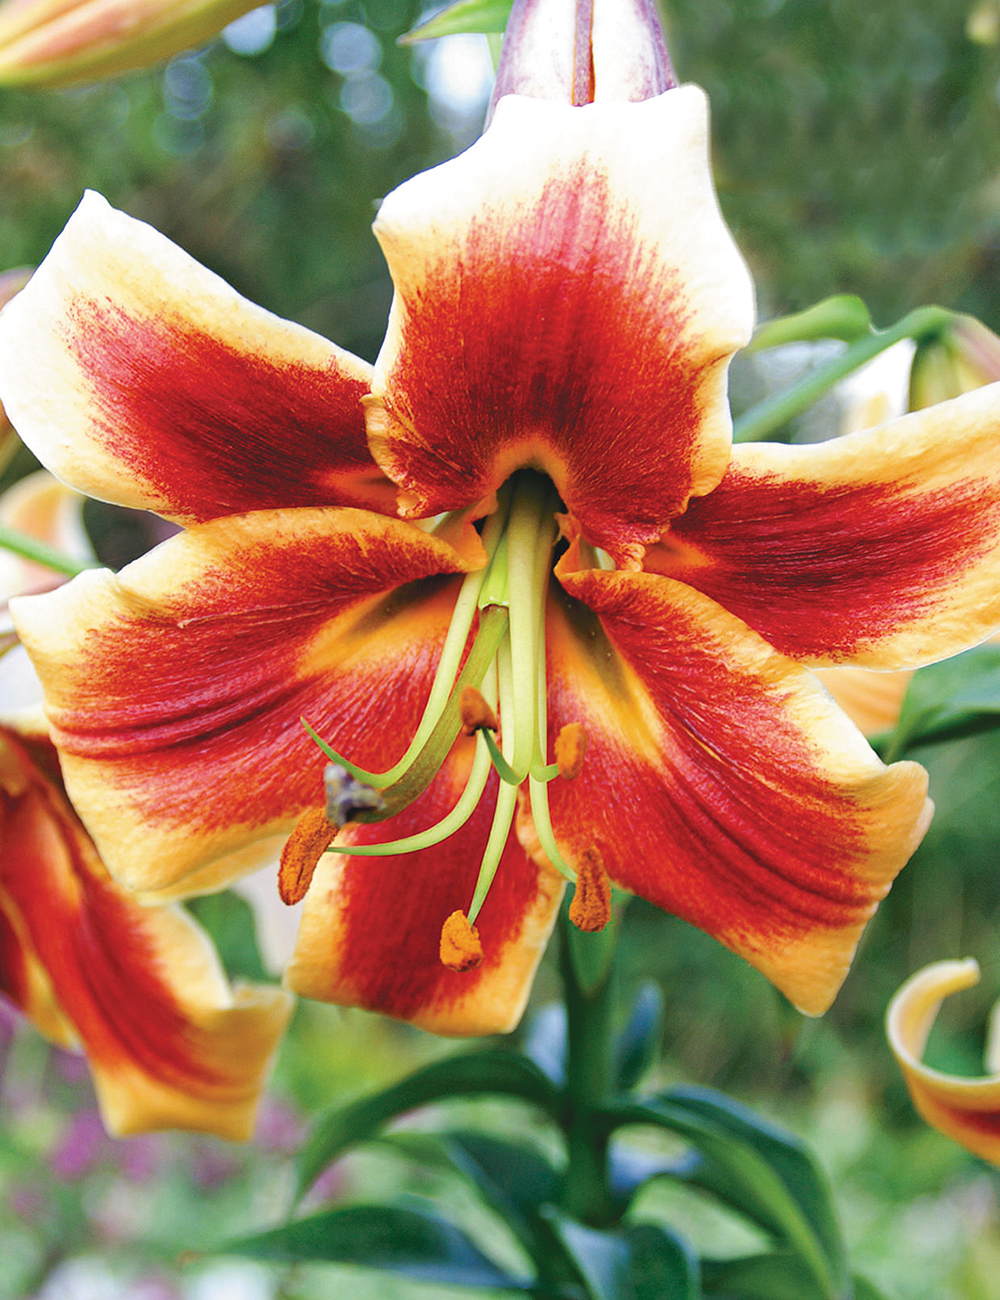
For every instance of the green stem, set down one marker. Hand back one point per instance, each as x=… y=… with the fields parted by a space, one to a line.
x=30 y=548
x=588 y=976
x=762 y=420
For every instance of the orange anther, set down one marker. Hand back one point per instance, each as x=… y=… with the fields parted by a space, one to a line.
x=476 y=713
x=570 y=747
x=591 y=906
x=299 y=858
x=460 y=946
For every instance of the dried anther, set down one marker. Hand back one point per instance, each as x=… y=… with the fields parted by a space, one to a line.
x=306 y=845
x=460 y=947
x=476 y=713
x=570 y=747
x=590 y=909
x=346 y=796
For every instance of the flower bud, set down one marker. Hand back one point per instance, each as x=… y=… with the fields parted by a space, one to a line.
x=965 y=356
x=49 y=43
x=583 y=51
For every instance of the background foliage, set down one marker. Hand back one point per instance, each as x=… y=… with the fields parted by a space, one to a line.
x=857 y=149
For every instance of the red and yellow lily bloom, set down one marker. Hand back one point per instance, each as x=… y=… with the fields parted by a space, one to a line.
x=967 y=1110
x=170 y=1043
x=532 y=498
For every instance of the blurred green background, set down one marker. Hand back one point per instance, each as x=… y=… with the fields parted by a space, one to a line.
x=857 y=148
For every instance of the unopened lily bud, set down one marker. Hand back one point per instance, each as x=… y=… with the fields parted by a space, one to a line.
x=965 y=356
x=583 y=51
x=50 y=43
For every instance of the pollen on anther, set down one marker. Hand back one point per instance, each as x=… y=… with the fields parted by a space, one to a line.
x=590 y=909
x=570 y=747
x=460 y=946
x=306 y=845
x=476 y=713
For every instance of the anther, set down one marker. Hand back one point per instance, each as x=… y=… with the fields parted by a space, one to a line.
x=570 y=747
x=306 y=845
x=476 y=713
x=460 y=947
x=346 y=796
x=590 y=909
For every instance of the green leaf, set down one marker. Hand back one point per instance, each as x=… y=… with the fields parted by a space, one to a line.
x=546 y=1041
x=639 y=1041
x=757 y=1169
x=229 y=920
x=463 y=16
x=513 y=1179
x=413 y=1242
x=843 y=316
x=780 y=1276
x=642 y=1262
x=954 y=698
x=490 y=1071
x=864 y=1290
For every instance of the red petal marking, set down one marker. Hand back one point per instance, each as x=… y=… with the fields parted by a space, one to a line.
x=833 y=571
x=719 y=783
x=177 y=689
x=98 y=950
x=371 y=931
x=554 y=309
x=212 y=429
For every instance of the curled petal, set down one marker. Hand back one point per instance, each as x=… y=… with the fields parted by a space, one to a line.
x=371 y=928
x=721 y=782
x=170 y=1042
x=967 y=1110
x=871 y=699
x=567 y=297
x=879 y=549
x=175 y=690
x=139 y=377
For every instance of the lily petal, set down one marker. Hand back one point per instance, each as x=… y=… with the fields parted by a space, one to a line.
x=175 y=689
x=139 y=377
x=170 y=1043
x=567 y=297
x=880 y=549
x=721 y=782
x=371 y=927
x=967 y=1110
x=871 y=699
x=47 y=510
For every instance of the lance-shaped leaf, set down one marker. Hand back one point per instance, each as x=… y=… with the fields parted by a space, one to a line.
x=958 y=697
x=397 y=1239
x=464 y=16
x=642 y=1262
x=757 y=1169
x=490 y=1071
x=640 y=1039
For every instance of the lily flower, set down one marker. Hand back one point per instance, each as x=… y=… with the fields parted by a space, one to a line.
x=966 y=1110
x=50 y=43
x=531 y=498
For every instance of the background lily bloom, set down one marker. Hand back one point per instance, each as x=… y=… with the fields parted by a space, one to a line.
x=967 y=1110
x=567 y=299
x=169 y=1042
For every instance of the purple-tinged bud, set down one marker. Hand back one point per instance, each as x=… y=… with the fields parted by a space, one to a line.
x=583 y=52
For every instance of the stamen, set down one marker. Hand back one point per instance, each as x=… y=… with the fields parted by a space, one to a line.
x=460 y=947
x=590 y=909
x=570 y=747
x=476 y=713
x=300 y=856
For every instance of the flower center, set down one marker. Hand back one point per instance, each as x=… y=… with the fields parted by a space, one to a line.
x=504 y=670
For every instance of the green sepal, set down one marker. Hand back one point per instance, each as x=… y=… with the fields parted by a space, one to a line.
x=490 y=1071
x=639 y=1042
x=464 y=16
x=396 y=1239
x=757 y=1169
x=945 y=701
x=644 y=1261
x=229 y=920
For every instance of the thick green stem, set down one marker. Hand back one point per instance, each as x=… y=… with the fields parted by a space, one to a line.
x=768 y=416
x=588 y=977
